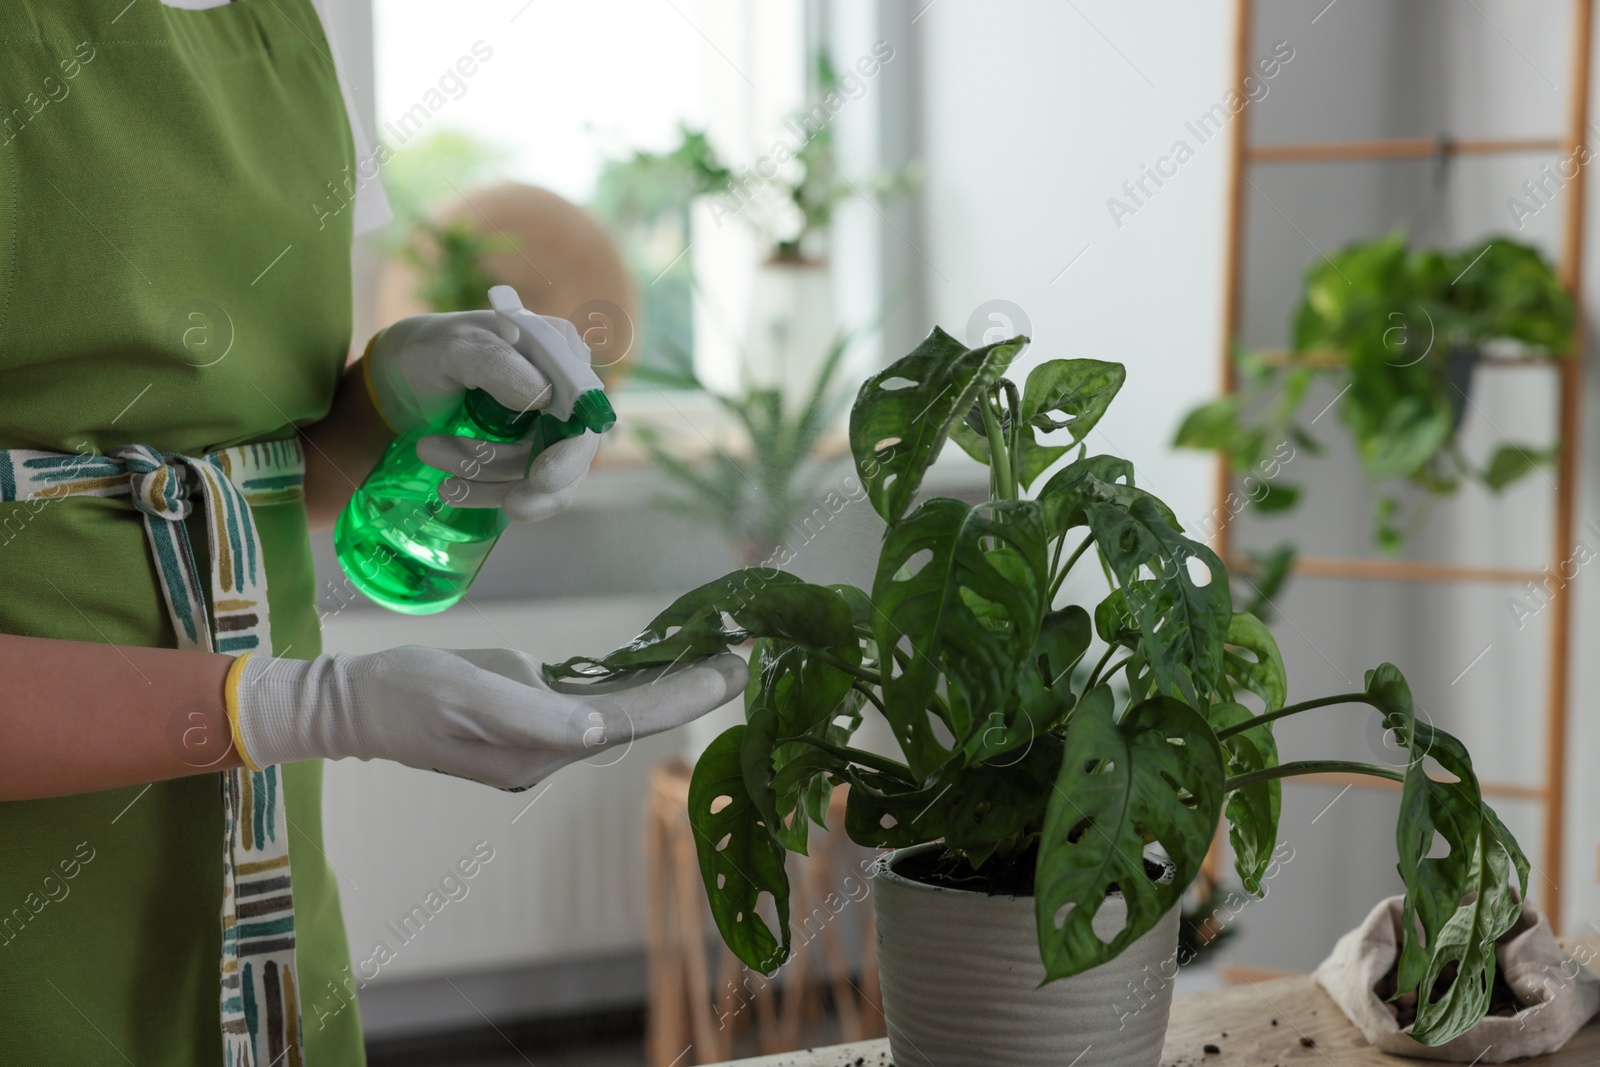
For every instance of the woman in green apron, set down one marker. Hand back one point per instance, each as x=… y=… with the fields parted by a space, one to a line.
x=164 y=897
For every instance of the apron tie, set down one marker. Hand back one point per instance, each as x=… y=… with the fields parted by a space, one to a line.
x=159 y=485
x=260 y=1008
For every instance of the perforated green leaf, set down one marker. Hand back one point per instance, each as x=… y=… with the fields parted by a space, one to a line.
x=903 y=414
x=1068 y=493
x=1155 y=776
x=883 y=812
x=793 y=692
x=1183 y=629
x=1434 y=886
x=1251 y=660
x=739 y=858
x=1467 y=939
x=961 y=591
x=1252 y=811
x=992 y=804
x=761 y=603
x=1070 y=394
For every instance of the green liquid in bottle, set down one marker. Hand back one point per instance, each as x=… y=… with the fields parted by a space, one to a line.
x=399 y=542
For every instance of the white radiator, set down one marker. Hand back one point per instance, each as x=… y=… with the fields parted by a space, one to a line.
x=566 y=877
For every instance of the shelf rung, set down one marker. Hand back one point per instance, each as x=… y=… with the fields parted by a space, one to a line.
x=1333 y=359
x=1506 y=790
x=1397 y=148
x=1397 y=570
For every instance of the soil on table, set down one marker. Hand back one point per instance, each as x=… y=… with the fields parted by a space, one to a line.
x=1502 y=1000
x=1001 y=877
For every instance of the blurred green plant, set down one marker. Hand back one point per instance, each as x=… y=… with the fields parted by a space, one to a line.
x=430 y=172
x=757 y=496
x=650 y=186
x=1398 y=333
x=645 y=200
x=448 y=257
x=449 y=264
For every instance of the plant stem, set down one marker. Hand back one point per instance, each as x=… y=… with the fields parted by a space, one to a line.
x=882 y=764
x=1311 y=766
x=844 y=665
x=1000 y=481
x=1293 y=709
x=866 y=691
x=1014 y=441
x=1061 y=575
x=1094 y=675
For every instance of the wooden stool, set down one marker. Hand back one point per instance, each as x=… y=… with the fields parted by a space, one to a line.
x=687 y=1024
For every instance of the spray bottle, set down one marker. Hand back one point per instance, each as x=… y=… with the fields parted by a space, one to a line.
x=404 y=546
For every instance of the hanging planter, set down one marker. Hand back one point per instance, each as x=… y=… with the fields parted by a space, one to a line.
x=1397 y=335
x=1461 y=370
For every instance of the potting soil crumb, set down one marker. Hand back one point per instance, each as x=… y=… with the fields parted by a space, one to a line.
x=1274 y=1023
x=1212 y=1050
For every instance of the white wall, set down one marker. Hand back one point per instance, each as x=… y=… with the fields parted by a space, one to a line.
x=1032 y=120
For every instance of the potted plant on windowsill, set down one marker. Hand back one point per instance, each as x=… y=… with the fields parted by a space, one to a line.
x=1047 y=815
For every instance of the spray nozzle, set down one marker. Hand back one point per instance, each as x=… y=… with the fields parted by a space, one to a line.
x=578 y=392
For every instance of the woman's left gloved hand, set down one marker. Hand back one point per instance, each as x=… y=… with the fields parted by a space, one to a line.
x=484 y=714
x=418 y=370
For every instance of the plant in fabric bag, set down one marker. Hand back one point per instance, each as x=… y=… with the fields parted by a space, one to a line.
x=1017 y=751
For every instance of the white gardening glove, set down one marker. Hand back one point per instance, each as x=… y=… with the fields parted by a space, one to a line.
x=496 y=474
x=420 y=367
x=484 y=714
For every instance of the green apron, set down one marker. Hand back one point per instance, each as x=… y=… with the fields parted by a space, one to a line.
x=171 y=276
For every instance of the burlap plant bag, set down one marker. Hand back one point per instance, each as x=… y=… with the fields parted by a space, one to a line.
x=1560 y=992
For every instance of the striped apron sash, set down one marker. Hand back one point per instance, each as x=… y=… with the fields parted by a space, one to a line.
x=260 y=992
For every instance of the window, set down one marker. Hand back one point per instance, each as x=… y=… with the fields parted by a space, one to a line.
x=563 y=96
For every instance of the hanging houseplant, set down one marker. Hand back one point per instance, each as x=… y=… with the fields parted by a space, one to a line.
x=1034 y=803
x=1398 y=335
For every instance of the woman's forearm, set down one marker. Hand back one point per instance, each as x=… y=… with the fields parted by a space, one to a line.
x=77 y=717
x=342 y=448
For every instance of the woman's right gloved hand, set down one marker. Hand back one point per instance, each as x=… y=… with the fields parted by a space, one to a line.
x=484 y=714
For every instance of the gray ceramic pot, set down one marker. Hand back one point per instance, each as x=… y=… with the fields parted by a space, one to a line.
x=960 y=972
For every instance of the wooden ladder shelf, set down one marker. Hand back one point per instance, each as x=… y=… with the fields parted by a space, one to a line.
x=1243 y=155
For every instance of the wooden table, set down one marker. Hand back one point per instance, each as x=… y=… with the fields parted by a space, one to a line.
x=1245 y=1014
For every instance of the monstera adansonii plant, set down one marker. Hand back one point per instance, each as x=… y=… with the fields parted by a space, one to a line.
x=1014 y=751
